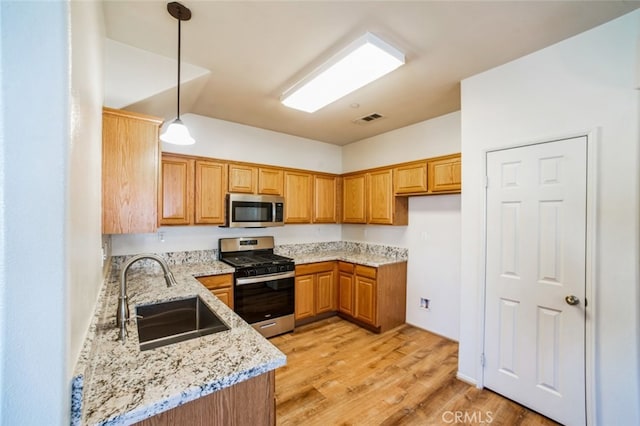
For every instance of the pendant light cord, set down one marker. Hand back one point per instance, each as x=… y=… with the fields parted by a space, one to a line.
x=179 y=38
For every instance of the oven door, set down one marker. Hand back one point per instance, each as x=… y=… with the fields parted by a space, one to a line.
x=262 y=298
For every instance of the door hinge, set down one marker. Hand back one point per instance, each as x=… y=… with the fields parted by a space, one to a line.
x=482 y=360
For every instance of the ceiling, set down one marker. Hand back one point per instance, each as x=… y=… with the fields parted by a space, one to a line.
x=256 y=50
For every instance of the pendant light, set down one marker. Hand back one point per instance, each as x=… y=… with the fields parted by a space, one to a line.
x=177 y=133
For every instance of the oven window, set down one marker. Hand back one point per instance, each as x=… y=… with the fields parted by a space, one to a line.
x=248 y=211
x=261 y=301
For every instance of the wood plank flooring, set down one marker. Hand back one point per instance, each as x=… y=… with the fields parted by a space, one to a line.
x=340 y=374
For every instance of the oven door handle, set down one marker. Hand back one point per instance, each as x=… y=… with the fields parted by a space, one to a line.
x=263 y=278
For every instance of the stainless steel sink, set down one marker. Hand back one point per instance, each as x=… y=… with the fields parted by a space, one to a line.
x=164 y=323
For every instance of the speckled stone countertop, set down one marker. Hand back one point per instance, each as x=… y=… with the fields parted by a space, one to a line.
x=360 y=253
x=117 y=384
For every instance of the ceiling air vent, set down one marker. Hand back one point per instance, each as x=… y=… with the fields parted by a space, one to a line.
x=368 y=118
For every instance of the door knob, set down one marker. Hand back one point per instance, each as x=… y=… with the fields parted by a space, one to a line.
x=571 y=300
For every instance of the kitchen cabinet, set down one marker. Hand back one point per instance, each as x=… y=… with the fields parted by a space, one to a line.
x=374 y=298
x=221 y=286
x=176 y=190
x=384 y=208
x=445 y=174
x=325 y=199
x=345 y=288
x=316 y=290
x=130 y=164
x=192 y=190
x=248 y=179
x=298 y=194
x=354 y=198
x=210 y=192
x=226 y=406
x=410 y=178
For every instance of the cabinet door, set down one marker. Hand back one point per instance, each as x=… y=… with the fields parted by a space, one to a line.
x=242 y=179
x=176 y=191
x=325 y=292
x=298 y=188
x=325 y=199
x=410 y=178
x=304 y=295
x=270 y=181
x=365 y=299
x=345 y=285
x=130 y=160
x=381 y=197
x=354 y=199
x=445 y=174
x=225 y=295
x=210 y=192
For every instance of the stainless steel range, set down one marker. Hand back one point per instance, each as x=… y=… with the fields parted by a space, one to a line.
x=263 y=294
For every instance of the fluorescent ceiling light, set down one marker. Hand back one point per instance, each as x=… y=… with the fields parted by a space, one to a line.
x=361 y=62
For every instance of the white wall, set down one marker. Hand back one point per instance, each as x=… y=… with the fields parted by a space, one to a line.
x=431 y=138
x=433 y=234
x=581 y=84
x=51 y=216
x=232 y=141
x=84 y=208
x=36 y=134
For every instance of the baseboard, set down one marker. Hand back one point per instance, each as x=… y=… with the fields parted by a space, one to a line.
x=466 y=379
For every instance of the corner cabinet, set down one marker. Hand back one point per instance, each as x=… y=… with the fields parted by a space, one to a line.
x=374 y=298
x=130 y=162
x=384 y=208
x=325 y=199
x=192 y=191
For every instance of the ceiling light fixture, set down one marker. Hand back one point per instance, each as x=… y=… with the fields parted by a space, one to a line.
x=177 y=133
x=361 y=62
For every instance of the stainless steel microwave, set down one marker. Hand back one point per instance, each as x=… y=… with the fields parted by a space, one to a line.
x=254 y=211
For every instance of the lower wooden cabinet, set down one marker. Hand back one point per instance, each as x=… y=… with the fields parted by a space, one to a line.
x=251 y=402
x=316 y=290
x=221 y=286
x=374 y=298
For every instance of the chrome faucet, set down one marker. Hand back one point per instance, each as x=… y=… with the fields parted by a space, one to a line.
x=122 y=316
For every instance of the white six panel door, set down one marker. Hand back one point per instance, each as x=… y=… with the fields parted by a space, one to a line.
x=536 y=232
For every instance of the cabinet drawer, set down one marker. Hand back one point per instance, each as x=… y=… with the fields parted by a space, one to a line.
x=216 y=281
x=313 y=268
x=366 y=271
x=346 y=267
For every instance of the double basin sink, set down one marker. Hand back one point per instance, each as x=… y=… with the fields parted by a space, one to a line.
x=164 y=323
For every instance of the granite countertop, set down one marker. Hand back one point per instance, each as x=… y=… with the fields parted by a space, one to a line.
x=119 y=384
x=368 y=259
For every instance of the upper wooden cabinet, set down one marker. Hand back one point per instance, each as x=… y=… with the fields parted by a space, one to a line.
x=354 y=199
x=445 y=174
x=270 y=181
x=176 y=190
x=298 y=195
x=130 y=161
x=325 y=199
x=210 y=192
x=192 y=191
x=383 y=207
x=248 y=179
x=410 y=178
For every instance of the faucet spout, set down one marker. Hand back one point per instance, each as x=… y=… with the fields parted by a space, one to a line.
x=122 y=315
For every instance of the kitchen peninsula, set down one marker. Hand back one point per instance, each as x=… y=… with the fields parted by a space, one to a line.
x=117 y=383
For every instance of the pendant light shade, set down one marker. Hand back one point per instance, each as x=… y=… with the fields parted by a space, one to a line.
x=177 y=133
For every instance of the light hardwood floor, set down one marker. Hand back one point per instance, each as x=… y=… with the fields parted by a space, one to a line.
x=340 y=374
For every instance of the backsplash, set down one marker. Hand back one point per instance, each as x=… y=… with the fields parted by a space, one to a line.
x=291 y=250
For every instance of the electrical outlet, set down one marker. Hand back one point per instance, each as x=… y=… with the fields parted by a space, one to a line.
x=425 y=303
